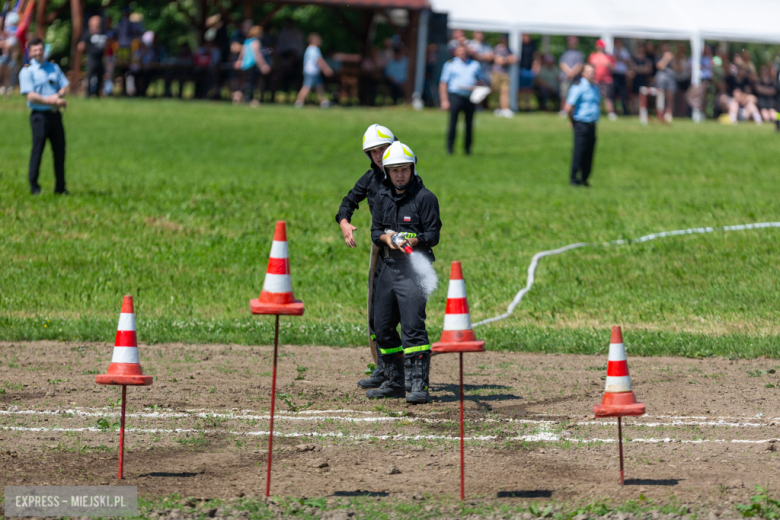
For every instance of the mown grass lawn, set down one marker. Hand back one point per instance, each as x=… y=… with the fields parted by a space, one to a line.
x=174 y=203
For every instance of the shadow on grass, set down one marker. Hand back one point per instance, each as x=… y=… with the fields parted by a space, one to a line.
x=485 y=393
x=170 y=475
x=360 y=493
x=537 y=493
x=652 y=482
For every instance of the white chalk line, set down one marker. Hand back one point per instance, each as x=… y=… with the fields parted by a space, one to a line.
x=663 y=234
x=677 y=421
x=539 y=437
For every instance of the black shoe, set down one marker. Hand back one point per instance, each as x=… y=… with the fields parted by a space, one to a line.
x=63 y=192
x=575 y=182
x=468 y=152
x=420 y=373
x=393 y=386
x=408 y=374
x=377 y=377
x=586 y=184
x=35 y=191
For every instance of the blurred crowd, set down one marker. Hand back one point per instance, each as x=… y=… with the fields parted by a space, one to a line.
x=732 y=88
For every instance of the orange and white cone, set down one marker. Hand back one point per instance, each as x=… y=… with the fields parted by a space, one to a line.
x=458 y=335
x=277 y=296
x=619 y=399
x=125 y=368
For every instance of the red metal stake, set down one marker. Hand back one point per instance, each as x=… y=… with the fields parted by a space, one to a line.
x=122 y=432
x=273 y=402
x=462 y=469
x=620 y=444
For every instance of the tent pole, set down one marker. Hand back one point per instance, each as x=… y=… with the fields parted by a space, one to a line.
x=697 y=47
x=516 y=46
x=422 y=59
x=609 y=43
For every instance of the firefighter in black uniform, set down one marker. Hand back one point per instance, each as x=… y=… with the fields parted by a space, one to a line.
x=376 y=140
x=403 y=205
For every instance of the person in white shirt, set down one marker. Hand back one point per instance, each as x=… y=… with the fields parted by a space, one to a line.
x=314 y=66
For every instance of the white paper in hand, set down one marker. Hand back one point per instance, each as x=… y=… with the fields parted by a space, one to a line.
x=479 y=94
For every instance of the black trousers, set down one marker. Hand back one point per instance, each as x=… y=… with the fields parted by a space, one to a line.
x=460 y=104
x=620 y=91
x=584 y=146
x=394 y=339
x=396 y=288
x=95 y=72
x=45 y=125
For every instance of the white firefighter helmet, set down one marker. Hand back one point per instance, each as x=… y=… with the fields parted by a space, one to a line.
x=397 y=154
x=375 y=136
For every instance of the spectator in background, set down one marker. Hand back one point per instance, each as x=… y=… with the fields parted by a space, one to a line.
x=110 y=56
x=766 y=91
x=620 y=75
x=126 y=31
x=290 y=45
x=251 y=61
x=747 y=63
x=458 y=38
x=641 y=68
x=207 y=59
x=93 y=42
x=314 y=66
x=481 y=51
x=681 y=65
x=547 y=83
x=499 y=80
x=10 y=48
x=570 y=64
x=459 y=76
x=397 y=74
x=665 y=80
x=603 y=64
x=529 y=68
x=583 y=106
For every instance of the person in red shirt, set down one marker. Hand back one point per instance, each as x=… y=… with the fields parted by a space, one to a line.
x=603 y=63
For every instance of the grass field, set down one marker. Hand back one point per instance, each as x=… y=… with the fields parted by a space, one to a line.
x=174 y=203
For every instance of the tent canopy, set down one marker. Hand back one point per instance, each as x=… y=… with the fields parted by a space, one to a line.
x=751 y=21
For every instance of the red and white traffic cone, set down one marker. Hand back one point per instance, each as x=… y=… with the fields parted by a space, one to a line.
x=619 y=399
x=458 y=336
x=277 y=295
x=125 y=368
x=277 y=299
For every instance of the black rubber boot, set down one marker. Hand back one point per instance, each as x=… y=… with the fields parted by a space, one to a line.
x=420 y=374
x=393 y=386
x=377 y=377
x=408 y=374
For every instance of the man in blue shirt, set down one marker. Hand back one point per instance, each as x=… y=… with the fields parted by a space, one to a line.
x=583 y=107
x=459 y=76
x=44 y=85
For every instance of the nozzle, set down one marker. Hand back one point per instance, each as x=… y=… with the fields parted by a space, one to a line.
x=408 y=249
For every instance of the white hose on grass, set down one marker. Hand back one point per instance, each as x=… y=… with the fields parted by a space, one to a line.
x=663 y=234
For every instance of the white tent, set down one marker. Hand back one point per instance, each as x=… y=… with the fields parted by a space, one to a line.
x=693 y=20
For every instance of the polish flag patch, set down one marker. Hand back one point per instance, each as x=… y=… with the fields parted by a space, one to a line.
x=407 y=219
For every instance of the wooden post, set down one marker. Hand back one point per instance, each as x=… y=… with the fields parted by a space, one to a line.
x=77 y=22
x=40 y=19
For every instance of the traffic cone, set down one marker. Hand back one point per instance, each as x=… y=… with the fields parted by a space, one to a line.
x=457 y=335
x=125 y=368
x=277 y=296
x=619 y=399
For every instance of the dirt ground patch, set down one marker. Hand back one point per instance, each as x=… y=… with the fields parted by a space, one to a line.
x=201 y=428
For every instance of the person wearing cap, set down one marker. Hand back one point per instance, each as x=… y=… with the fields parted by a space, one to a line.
x=459 y=76
x=44 y=85
x=583 y=105
x=604 y=65
x=376 y=140
x=403 y=205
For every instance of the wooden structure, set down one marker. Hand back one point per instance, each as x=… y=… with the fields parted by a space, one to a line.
x=414 y=37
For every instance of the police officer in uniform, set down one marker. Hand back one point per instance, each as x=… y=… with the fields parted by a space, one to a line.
x=376 y=140
x=403 y=205
x=44 y=85
x=459 y=76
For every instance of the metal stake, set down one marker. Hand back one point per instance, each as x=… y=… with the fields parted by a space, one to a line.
x=122 y=432
x=273 y=402
x=620 y=445
x=462 y=469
